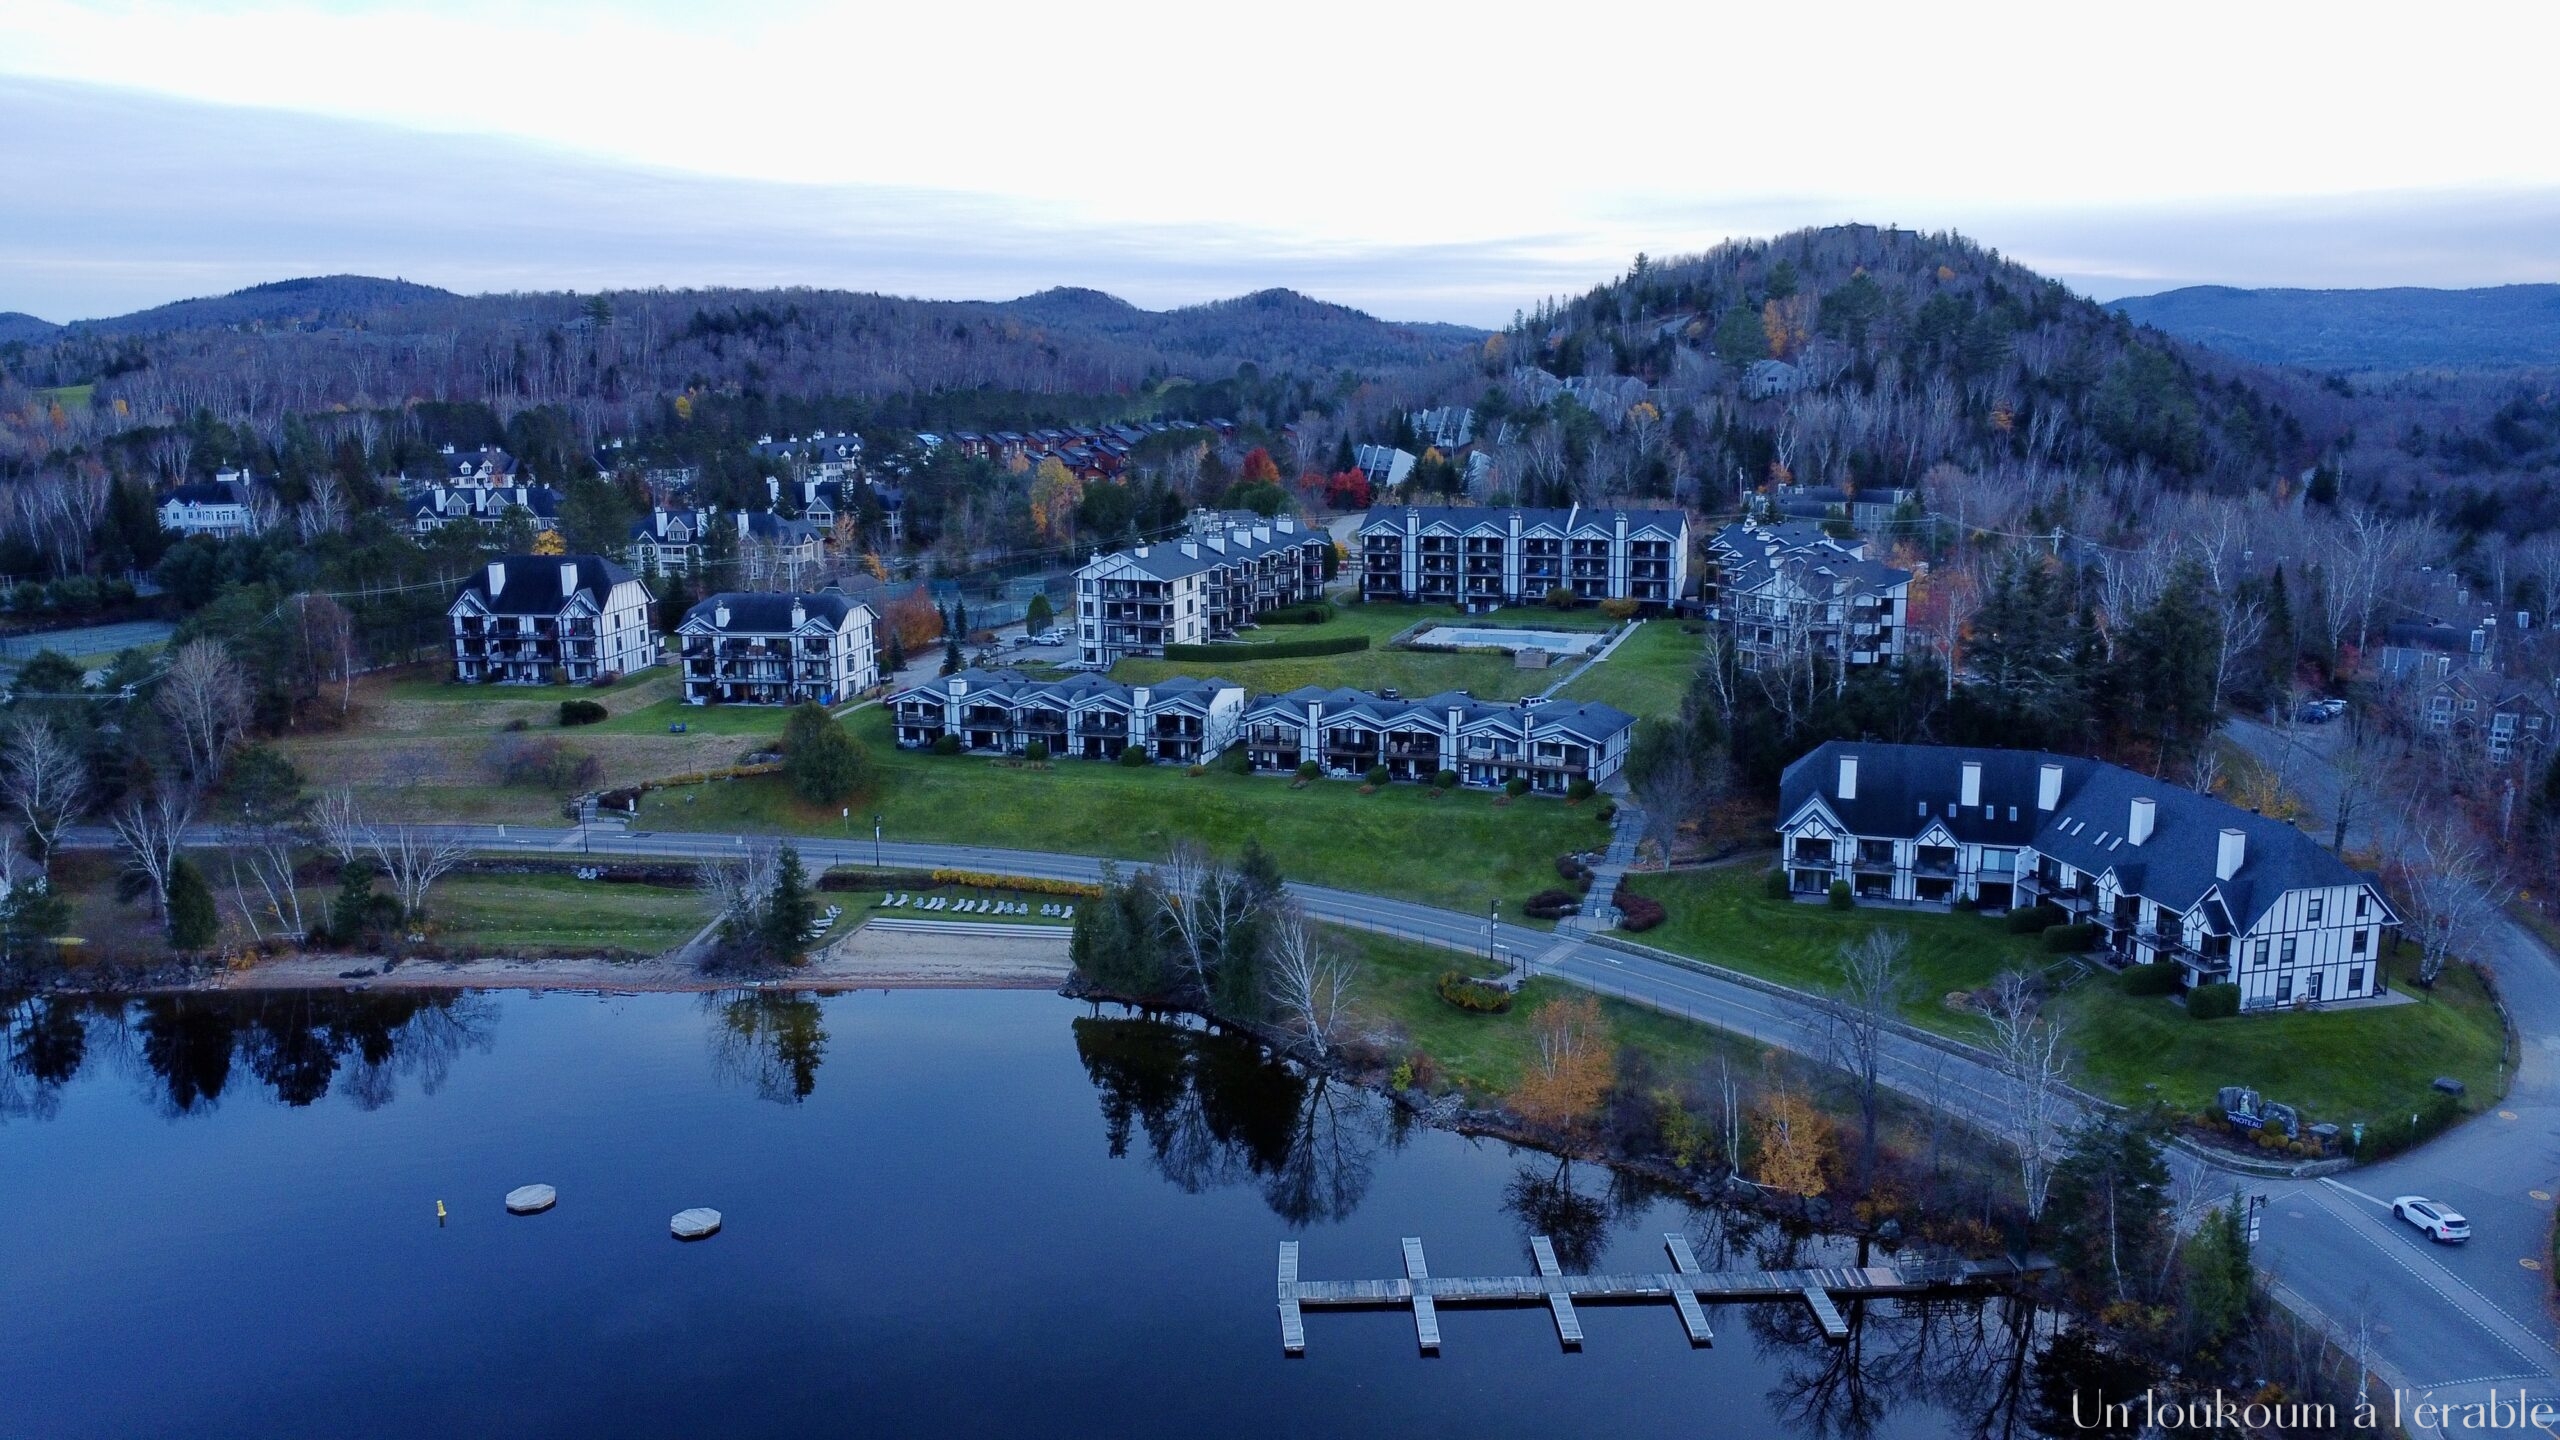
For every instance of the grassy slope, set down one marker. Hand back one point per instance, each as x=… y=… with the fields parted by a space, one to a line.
x=2341 y=1065
x=1459 y=850
x=1648 y=674
x=562 y=912
x=1414 y=672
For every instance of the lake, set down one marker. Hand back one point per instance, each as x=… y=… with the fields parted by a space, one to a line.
x=947 y=1213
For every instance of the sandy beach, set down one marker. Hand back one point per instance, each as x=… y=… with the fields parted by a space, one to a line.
x=865 y=959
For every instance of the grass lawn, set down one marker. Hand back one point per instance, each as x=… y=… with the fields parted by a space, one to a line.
x=1459 y=850
x=2339 y=1065
x=1648 y=674
x=764 y=720
x=72 y=398
x=562 y=912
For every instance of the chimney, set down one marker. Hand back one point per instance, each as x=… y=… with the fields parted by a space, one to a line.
x=799 y=613
x=959 y=687
x=497 y=577
x=1848 y=777
x=1972 y=794
x=1137 y=702
x=2235 y=848
x=568 y=578
x=2138 y=828
x=720 y=616
x=2049 y=787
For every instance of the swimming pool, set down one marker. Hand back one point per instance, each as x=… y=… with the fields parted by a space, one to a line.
x=1557 y=642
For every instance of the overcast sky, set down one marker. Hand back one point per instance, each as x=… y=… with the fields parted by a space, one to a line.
x=1421 y=161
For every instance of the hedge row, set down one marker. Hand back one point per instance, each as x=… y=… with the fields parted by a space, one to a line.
x=1315 y=612
x=1638 y=912
x=1271 y=650
x=1028 y=884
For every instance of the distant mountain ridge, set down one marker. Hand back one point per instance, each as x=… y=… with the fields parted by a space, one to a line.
x=2408 y=328
x=312 y=301
x=17 y=326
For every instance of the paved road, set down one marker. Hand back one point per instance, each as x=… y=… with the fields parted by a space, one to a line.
x=2451 y=1321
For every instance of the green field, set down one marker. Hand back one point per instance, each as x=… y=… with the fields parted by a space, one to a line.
x=72 y=398
x=1648 y=674
x=1460 y=850
x=2339 y=1065
x=561 y=912
x=1413 y=672
x=654 y=719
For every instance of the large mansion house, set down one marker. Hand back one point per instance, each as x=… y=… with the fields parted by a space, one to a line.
x=551 y=619
x=2168 y=875
x=1196 y=589
x=1479 y=558
x=777 y=649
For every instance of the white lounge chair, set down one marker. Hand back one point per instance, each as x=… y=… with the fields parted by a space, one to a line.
x=1070 y=915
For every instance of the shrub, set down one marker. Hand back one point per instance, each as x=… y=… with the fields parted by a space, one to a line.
x=580 y=712
x=1560 y=596
x=1774 y=884
x=545 y=764
x=1378 y=776
x=2070 y=939
x=2158 y=978
x=1639 y=912
x=1570 y=867
x=2035 y=919
x=1608 y=811
x=2218 y=1001
x=1135 y=757
x=1270 y=650
x=1037 y=752
x=1310 y=770
x=1196 y=771
x=1445 y=780
x=1314 y=612
x=606 y=679
x=1841 y=899
x=946 y=744
x=1471 y=995
x=1515 y=787
x=517 y=726
x=1581 y=788
x=1552 y=904
x=1238 y=760
x=983 y=880
x=1619 y=609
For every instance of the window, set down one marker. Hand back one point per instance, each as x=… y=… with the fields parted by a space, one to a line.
x=2287 y=956
x=2356 y=945
x=2284 y=990
x=2364 y=903
x=2363 y=982
x=2317 y=905
x=2262 y=952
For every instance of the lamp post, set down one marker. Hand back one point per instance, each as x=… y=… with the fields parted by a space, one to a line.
x=1492 y=923
x=875 y=842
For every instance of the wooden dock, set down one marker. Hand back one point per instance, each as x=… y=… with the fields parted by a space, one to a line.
x=1684 y=1285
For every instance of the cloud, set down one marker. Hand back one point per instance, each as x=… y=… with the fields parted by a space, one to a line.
x=120 y=200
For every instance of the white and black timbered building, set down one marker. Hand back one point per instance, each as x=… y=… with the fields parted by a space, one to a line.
x=2168 y=875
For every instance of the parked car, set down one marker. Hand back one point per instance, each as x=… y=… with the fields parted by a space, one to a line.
x=2436 y=1218
x=1049 y=637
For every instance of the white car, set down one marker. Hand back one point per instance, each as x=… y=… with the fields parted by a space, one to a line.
x=2436 y=1218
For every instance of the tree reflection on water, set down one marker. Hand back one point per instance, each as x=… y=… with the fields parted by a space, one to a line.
x=770 y=1040
x=1215 y=1111
x=300 y=1045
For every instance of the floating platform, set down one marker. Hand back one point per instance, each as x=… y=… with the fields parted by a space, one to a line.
x=1684 y=1285
x=695 y=1224
x=531 y=1199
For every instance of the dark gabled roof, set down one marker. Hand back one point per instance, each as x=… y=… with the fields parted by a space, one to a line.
x=2175 y=867
x=1590 y=720
x=211 y=492
x=533 y=583
x=769 y=612
x=1576 y=517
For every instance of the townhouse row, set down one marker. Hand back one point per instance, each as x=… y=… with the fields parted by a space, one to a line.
x=2169 y=876
x=1479 y=558
x=1224 y=571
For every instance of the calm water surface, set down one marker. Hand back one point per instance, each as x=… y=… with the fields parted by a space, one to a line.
x=948 y=1213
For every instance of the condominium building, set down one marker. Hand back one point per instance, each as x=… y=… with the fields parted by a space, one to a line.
x=1083 y=717
x=1480 y=558
x=1792 y=592
x=2168 y=875
x=551 y=619
x=1550 y=744
x=1224 y=571
x=762 y=648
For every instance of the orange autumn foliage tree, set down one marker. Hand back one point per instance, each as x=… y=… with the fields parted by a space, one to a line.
x=1795 y=1144
x=1056 y=491
x=912 y=618
x=1260 y=468
x=1571 y=1066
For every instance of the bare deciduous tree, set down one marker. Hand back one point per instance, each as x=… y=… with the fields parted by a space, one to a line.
x=2454 y=891
x=1857 y=1018
x=1205 y=900
x=44 y=780
x=150 y=827
x=339 y=824
x=205 y=697
x=1310 y=983
x=2033 y=1067
x=414 y=859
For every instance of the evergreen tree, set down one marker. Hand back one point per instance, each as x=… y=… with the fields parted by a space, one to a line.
x=1038 y=615
x=2023 y=650
x=821 y=759
x=1739 y=340
x=2283 y=645
x=2109 y=1209
x=952 y=663
x=351 y=911
x=2166 y=666
x=789 y=910
x=31 y=914
x=897 y=659
x=193 y=923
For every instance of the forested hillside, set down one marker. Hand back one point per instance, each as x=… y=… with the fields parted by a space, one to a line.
x=2353 y=331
